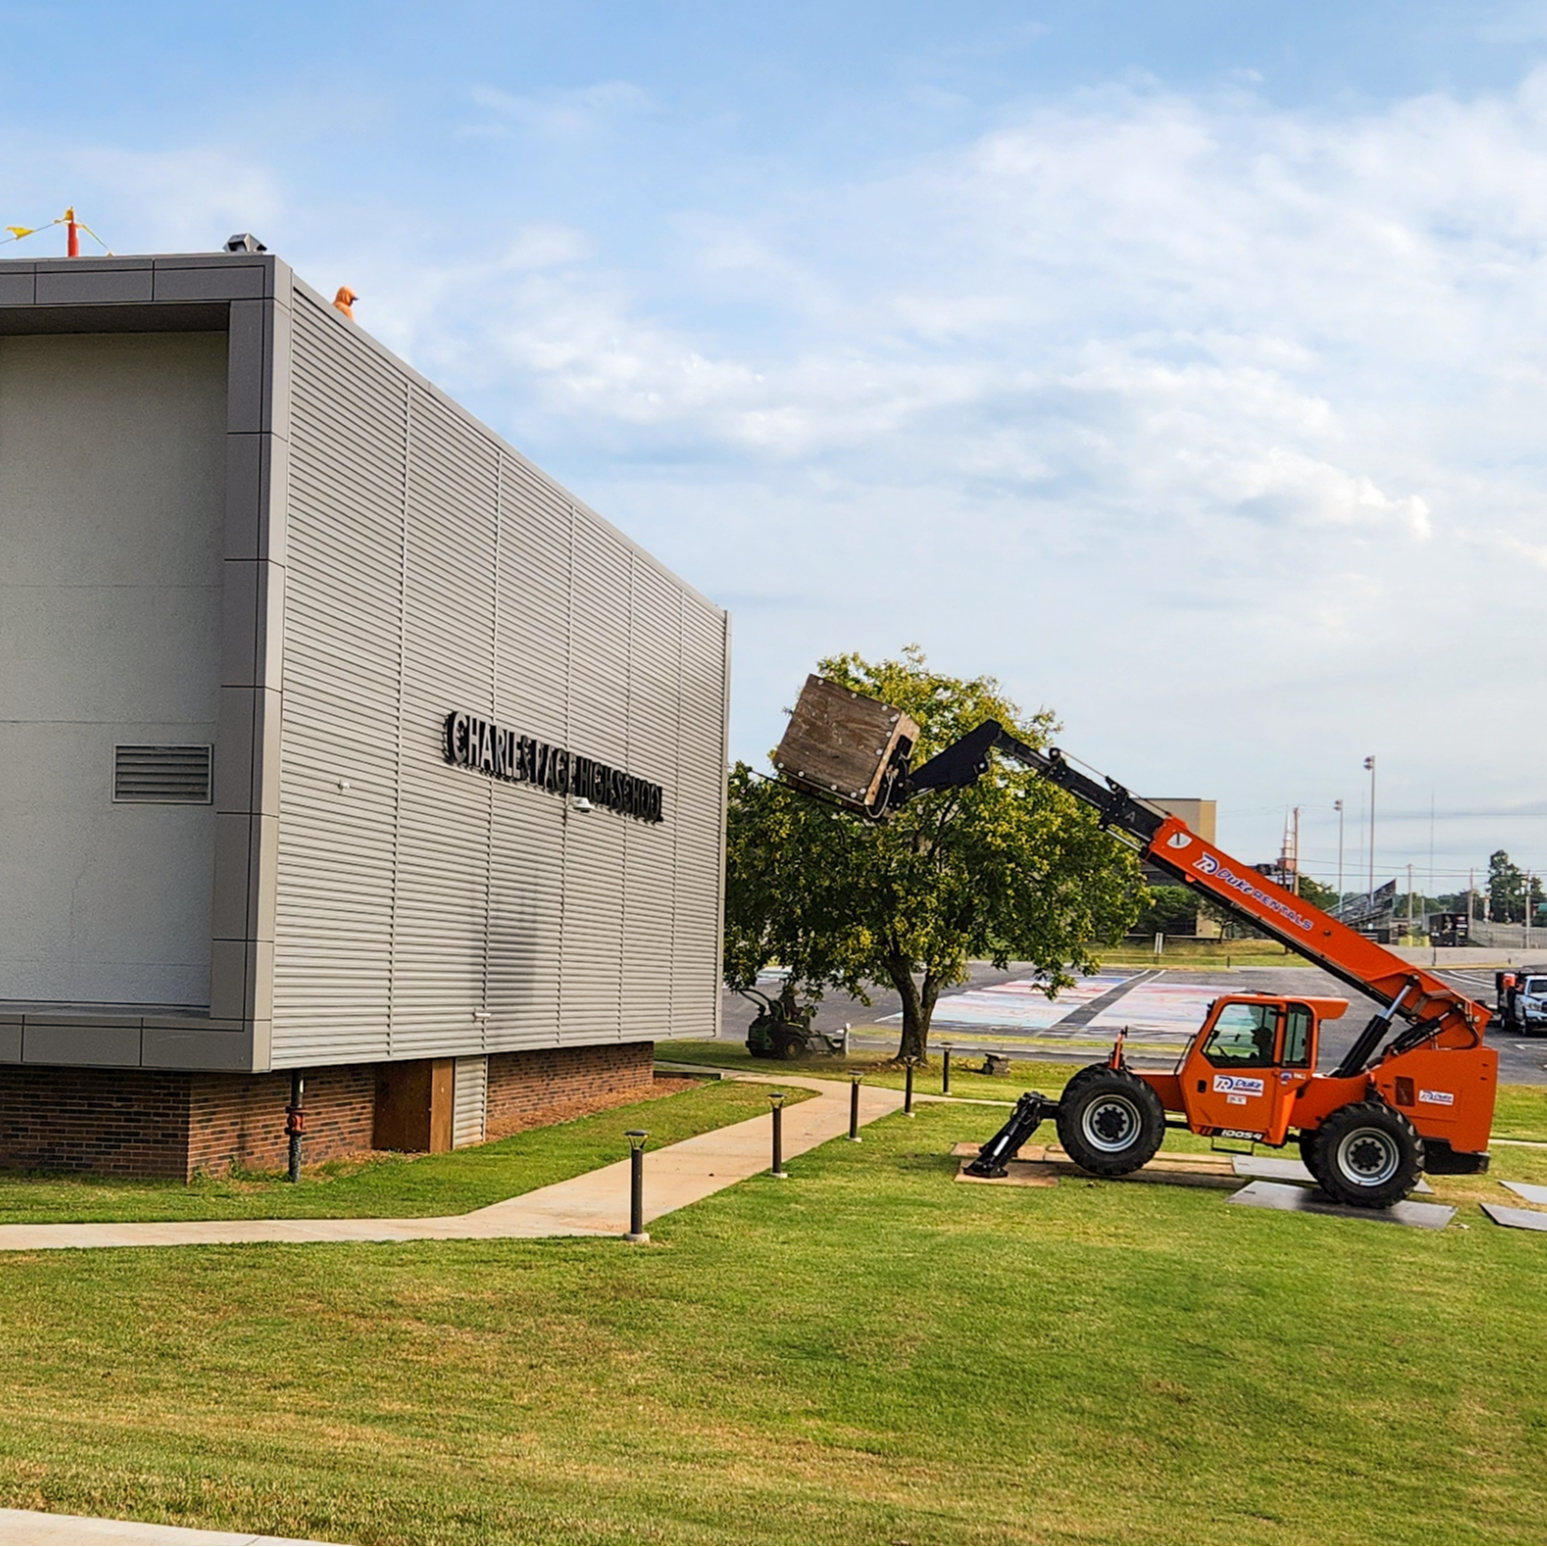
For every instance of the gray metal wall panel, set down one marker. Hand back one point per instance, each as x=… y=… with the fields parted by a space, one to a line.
x=526 y=901
x=701 y=776
x=469 y=1101
x=655 y=705
x=438 y=951
x=429 y=910
x=333 y=916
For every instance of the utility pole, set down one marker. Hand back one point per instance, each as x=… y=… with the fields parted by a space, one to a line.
x=1369 y=763
x=1409 y=897
x=1338 y=807
x=1297 y=851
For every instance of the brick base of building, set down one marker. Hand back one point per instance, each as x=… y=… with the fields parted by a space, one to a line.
x=143 y=1122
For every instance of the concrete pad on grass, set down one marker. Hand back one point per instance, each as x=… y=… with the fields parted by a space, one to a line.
x=1306 y=1200
x=1515 y=1219
x=1276 y=1168
x=1527 y=1190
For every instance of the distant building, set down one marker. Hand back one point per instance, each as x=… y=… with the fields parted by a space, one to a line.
x=1199 y=815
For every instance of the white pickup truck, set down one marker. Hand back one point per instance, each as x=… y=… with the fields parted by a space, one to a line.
x=1522 y=1001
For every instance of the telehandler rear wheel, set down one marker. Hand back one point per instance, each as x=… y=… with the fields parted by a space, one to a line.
x=1370 y=1155
x=1110 y=1122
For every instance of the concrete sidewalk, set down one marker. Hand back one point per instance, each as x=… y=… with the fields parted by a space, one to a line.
x=35 y=1528
x=594 y=1204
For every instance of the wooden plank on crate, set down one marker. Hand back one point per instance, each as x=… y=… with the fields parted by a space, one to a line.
x=841 y=743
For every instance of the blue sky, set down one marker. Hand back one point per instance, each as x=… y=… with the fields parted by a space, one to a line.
x=1181 y=364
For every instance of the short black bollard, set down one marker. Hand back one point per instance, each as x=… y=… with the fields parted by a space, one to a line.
x=776 y=1100
x=907 y=1089
x=945 y=1068
x=636 y=1210
x=295 y=1122
x=854 y=1108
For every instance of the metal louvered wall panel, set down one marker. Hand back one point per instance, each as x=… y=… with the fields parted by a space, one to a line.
x=429 y=910
x=526 y=892
x=701 y=815
x=333 y=916
x=591 y=987
x=649 y=868
x=448 y=663
x=469 y=1101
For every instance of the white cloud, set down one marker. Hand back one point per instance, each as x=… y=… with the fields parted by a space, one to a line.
x=1137 y=389
x=1172 y=411
x=558 y=114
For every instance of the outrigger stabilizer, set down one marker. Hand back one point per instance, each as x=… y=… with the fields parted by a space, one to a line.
x=995 y=1156
x=1031 y=1111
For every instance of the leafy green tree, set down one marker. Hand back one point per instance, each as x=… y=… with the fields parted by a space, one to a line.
x=1506 y=888
x=1008 y=869
x=1319 y=896
x=1168 y=910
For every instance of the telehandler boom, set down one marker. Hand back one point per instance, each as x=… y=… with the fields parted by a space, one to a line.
x=1414 y=1093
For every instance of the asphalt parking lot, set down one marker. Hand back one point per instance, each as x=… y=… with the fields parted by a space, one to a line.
x=1160 y=1009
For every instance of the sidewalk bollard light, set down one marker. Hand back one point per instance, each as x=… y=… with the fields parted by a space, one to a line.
x=776 y=1101
x=295 y=1122
x=636 y=1207
x=945 y=1068
x=907 y=1089
x=854 y=1107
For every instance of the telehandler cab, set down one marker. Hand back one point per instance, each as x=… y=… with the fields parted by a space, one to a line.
x=1405 y=1099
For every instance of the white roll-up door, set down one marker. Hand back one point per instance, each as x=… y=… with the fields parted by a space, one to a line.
x=469 y=1101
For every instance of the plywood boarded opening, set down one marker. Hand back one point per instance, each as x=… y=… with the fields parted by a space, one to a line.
x=414 y=1106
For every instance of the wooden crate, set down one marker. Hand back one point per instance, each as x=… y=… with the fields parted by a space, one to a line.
x=843 y=745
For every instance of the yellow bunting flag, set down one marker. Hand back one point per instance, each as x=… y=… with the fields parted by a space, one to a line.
x=20 y=231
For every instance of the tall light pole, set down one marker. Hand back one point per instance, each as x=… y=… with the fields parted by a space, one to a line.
x=1369 y=763
x=1337 y=806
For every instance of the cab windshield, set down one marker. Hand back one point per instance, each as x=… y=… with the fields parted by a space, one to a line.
x=1243 y=1036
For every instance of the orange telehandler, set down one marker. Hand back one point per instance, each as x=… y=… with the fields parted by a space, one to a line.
x=1414 y=1093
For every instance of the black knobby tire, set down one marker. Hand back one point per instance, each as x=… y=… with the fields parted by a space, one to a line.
x=1310 y=1154
x=789 y=1043
x=1110 y=1122
x=1370 y=1155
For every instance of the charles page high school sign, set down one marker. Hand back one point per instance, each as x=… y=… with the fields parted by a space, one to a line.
x=479 y=744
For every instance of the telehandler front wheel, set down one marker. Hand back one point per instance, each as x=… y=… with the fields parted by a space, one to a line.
x=1308 y=1155
x=1369 y=1155
x=1110 y=1122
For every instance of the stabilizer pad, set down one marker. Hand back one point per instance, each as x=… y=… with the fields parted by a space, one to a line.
x=1310 y=1200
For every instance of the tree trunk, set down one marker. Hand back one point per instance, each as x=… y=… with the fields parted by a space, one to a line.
x=918 y=1007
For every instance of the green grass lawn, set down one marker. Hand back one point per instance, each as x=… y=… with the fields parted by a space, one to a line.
x=1186 y=953
x=868 y=1352
x=396 y=1186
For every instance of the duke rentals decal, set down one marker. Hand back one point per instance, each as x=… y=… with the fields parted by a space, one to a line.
x=1437 y=1098
x=1238 y=1085
x=1209 y=866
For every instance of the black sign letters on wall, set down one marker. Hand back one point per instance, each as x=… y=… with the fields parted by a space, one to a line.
x=479 y=744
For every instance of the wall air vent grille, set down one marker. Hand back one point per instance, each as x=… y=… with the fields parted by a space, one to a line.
x=163 y=776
